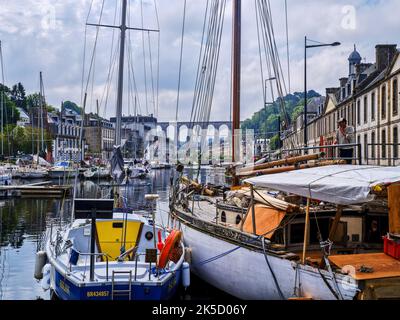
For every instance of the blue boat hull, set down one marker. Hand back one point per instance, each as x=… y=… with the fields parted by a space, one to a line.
x=67 y=290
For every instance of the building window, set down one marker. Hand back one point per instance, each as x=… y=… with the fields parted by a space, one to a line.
x=395 y=96
x=395 y=143
x=358 y=111
x=373 y=144
x=383 y=144
x=348 y=89
x=365 y=109
x=365 y=146
x=383 y=102
x=373 y=106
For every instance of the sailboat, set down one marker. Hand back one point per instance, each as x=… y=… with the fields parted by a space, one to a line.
x=35 y=169
x=312 y=233
x=97 y=172
x=109 y=252
x=5 y=174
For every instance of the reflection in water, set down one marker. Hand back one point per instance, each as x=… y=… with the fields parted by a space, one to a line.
x=23 y=223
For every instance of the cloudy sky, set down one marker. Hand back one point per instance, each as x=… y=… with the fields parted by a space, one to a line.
x=49 y=36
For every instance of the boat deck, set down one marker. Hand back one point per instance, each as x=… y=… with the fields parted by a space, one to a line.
x=380 y=265
x=206 y=210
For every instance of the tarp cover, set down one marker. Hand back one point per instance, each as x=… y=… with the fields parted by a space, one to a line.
x=340 y=184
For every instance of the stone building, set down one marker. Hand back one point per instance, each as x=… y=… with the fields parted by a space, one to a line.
x=99 y=137
x=369 y=99
x=135 y=130
x=65 y=127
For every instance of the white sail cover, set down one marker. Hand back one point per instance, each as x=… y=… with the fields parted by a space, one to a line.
x=340 y=184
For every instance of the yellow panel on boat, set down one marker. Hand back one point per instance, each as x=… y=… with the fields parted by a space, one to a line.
x=110 y=235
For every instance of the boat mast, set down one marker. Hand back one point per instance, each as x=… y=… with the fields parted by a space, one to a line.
x=121 y=75
x=2 y=101
x=236 y=61
x=41 y=97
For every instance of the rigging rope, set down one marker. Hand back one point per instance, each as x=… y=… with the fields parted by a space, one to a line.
x=111 y=63
x=158 y=58
x=151 y=73
x=180 y=63
x=94 y=48
x=207 y=69
x=271 y=56
x=2 y=99
x=84 y=50
x=144 y=59
x=287 y=44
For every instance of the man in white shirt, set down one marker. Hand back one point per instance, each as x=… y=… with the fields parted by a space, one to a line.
x=345 y=135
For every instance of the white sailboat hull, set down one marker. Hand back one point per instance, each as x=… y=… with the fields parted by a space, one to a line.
x=62 y=173
x=98 y=174
x=245 y=274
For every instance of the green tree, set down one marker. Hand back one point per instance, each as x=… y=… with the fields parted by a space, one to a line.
x=18 y=95
x=72 y=106
x=10 y=112
x=33 y=101
x=265 y=122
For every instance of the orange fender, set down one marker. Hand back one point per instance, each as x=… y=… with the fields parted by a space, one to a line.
x=171 y=243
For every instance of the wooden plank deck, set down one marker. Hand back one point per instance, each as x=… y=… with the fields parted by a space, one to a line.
x=383 y=266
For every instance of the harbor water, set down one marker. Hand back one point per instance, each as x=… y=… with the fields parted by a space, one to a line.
x=23 y=222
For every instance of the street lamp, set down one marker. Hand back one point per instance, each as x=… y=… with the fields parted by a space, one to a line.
x=306 y=46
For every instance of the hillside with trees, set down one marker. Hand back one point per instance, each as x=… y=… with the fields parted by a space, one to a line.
x=15 y=139
x=265 y=122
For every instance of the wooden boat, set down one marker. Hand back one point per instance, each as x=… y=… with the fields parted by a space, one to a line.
x=270 y=248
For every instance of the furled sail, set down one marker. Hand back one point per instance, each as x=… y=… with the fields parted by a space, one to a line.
x=117 y=164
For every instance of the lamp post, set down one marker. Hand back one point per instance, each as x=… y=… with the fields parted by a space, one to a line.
x=334 y=44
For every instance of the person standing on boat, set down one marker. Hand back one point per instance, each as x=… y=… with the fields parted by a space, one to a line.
x=345 y=135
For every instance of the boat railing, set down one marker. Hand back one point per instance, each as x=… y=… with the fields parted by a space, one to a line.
x=382 y=154
x=96 y=254
x=331 y=152
x=136 y=259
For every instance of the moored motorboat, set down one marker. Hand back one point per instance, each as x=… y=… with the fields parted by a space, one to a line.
x=62 y=169
x=32 y=172
x=5 y=178
x=118 y=255
x=97 y=173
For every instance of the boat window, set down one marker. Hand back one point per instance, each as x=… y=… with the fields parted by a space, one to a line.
x=238 y=219
x=223 y=216
x=296 y=231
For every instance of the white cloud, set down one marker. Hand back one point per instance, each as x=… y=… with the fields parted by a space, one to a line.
x=48 y=36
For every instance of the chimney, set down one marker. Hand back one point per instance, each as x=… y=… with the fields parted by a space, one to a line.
x=384 y=55
x=361 y=67
x=331 y=91
x=343 y=81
